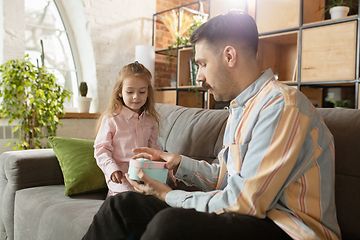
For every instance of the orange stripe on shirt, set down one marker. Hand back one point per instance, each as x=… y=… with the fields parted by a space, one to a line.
x=205 y=180
x=277 y=167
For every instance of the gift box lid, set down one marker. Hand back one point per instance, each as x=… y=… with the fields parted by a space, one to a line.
x=144 y=163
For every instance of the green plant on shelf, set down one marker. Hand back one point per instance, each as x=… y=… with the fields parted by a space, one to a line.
x=352 y=4
x=342 y=104
x=185 y=40
x=338 y=103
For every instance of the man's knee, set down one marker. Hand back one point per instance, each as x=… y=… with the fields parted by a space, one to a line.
x=165 y=224
x=124 y=199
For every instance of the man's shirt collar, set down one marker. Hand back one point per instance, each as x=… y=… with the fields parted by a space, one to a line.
x=251 y=90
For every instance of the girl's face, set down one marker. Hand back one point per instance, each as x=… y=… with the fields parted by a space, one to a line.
x=134 y=93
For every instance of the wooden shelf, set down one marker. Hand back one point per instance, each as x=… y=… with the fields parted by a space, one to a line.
x=305 y=51
x=80 y=115
x=184 y=75
x=174 y=80
x=191 y=99
x=166 y=97
x=275 y=15
x=280 y=53
x=329 y=52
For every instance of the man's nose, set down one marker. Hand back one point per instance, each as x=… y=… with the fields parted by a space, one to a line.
x=200 y=77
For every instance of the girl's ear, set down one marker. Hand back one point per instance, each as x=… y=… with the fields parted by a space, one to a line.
x=120 y=95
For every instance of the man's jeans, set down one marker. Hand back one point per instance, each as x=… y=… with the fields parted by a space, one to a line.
x=131 y=215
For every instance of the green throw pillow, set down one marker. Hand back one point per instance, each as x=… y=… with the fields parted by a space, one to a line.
x=78 y=165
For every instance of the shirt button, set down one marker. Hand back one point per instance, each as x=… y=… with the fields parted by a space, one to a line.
x=223 y=146
x=185 y=176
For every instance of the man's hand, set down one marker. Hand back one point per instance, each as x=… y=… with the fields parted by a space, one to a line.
x=116 y=177
x=172 y=160
x=150 y=186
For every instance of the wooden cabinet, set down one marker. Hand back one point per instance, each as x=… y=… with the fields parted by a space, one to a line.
x=273 y=15
x=280 y=53
x=329 y=52
x=320 y=57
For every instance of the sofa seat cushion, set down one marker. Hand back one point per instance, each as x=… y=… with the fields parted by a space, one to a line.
x=43 y=213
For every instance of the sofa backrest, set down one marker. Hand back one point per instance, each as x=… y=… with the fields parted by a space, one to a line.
x=344 y=124
x=193 y=132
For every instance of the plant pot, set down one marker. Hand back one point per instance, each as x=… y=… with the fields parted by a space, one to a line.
x=84 y=104
x=339 y=12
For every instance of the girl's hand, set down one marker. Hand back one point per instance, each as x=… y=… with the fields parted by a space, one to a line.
x=172 y=160
x=116 y=177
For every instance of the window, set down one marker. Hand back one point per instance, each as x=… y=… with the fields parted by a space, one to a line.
x=43 y=22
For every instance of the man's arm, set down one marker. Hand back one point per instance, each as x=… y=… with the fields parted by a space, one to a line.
x=265 y=160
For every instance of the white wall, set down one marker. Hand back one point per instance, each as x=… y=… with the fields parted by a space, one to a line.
x=12 y=30
x=114 y=27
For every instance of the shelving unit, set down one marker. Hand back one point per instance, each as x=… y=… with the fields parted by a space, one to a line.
x=318 y=57
x=173 y=80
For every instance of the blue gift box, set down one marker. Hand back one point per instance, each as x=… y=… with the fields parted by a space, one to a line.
x=153 y=169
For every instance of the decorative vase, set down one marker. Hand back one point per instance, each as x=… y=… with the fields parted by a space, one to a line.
x=84 y=104
x=339 y=12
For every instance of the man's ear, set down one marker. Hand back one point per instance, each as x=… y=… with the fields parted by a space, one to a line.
x=230 y=55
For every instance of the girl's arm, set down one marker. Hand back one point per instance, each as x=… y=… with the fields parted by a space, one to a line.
x=104 y=148
x=153 y=138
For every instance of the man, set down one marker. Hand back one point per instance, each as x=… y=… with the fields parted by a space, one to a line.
x=275 y=179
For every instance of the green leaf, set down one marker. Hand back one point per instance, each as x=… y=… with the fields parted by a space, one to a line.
x=31 y=95
x=16 y=128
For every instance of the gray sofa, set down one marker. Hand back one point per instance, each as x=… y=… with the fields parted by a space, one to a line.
x=33 y=204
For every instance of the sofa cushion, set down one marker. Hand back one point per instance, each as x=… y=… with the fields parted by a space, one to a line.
x=194 y=132
x=43 y=213
x=78 y=165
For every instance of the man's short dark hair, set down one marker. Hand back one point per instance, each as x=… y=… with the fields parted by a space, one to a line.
x=234 y=26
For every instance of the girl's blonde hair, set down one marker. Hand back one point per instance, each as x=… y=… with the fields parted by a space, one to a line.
x=116 y=102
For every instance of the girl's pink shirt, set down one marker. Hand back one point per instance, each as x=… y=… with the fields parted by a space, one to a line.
x=116 y=138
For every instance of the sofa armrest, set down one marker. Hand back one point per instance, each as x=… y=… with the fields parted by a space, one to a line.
x=24 y=169
x=31 y=168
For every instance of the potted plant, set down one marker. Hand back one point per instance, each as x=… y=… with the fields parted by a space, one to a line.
x=31 y=96
x=339 y=8
x=342 y=104
x=184 y=38
x=83 y=101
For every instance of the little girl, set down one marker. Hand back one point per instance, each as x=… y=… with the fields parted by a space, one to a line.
x=130 y=121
